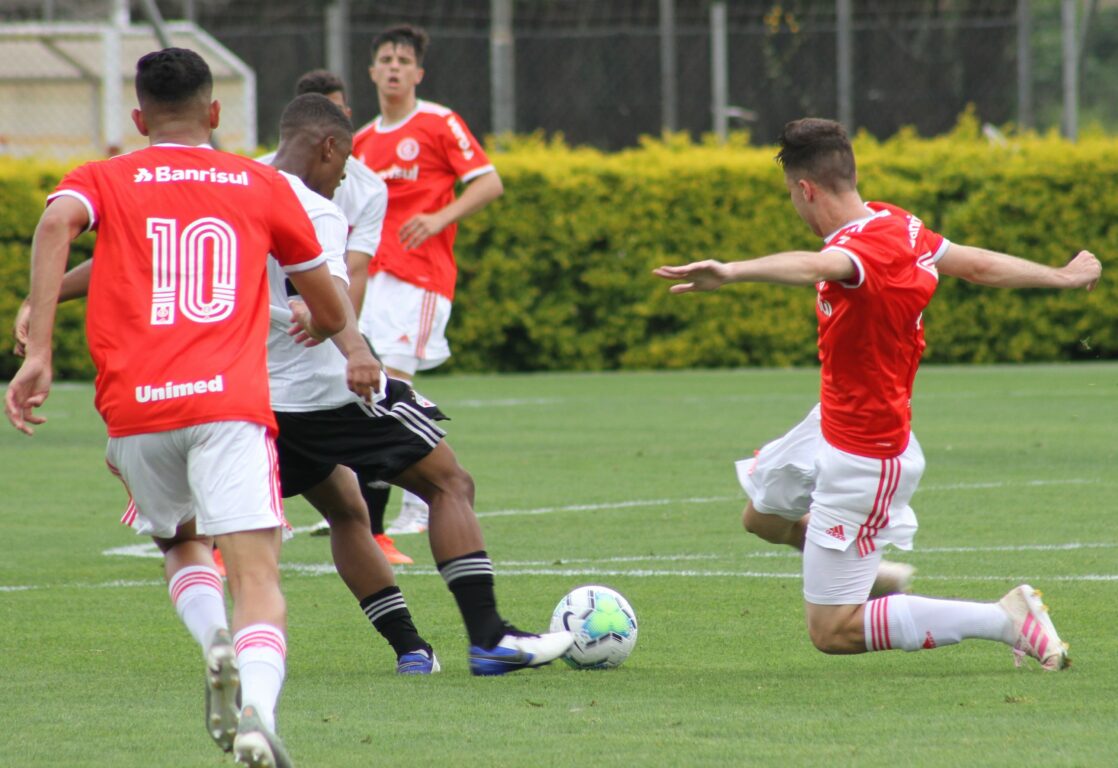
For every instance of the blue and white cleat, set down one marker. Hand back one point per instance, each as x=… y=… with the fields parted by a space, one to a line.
x=419 y=662
x=518 y=650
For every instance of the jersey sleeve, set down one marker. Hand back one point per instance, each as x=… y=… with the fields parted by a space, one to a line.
x=331 y=229
x=365 y=235
x=462 y=151
x=935 y=244
x=848 y=247
x=294 y=244
x=81 y=185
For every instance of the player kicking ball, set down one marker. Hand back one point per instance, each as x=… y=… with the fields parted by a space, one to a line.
x=838 y=485
x=393 y=436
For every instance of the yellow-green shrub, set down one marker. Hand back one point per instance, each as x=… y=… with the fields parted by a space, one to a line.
x=556 y=274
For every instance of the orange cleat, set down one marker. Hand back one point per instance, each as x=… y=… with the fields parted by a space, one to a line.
x=219 y=562
x=388 y=547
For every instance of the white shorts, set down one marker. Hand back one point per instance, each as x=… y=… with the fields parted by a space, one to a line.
x=223 y=475
x=405 y=323
x=838 y=576
x=780 y=477
x=853 y=500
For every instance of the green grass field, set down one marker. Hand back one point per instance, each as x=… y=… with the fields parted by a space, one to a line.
x=624 y=479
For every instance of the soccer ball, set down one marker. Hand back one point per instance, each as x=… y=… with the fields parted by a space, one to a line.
x=603 y=623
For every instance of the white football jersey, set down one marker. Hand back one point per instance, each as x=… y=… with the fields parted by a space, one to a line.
x=363 y=199
x=307 y=378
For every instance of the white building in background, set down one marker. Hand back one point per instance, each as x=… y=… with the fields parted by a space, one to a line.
x=67 y=91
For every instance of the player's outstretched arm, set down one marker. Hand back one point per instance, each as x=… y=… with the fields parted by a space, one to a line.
x=1000 y=270
x=788 y=268
x=63 y=220
x=75 y=285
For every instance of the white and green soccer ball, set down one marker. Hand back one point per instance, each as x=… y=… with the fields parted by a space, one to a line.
x=603 y=623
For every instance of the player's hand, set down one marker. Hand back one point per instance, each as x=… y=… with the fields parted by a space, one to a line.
x=302 y=325
x=419 y=228
x=20 y=328
x=362 y=374
x=699 y=276
x=27 y=391
x=1083 y=271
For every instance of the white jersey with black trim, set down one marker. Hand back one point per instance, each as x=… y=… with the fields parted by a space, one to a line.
x=363 y=199
x=307 y=378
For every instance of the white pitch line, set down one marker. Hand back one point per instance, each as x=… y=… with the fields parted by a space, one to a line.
x=327 y=569
x=718 y=499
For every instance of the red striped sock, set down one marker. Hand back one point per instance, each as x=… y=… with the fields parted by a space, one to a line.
x=261 y=658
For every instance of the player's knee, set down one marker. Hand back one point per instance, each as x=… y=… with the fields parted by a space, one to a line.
x=825 y=640
x=461 y=484
x=837 y=631
x=352 y=511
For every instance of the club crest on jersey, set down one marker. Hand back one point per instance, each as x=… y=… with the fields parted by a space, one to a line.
x=408 y=149
x=165 y=173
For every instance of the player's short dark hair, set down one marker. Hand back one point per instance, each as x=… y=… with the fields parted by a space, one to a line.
x=403 y=34
x=314 y=113
x=319 y=81
x=819 y=150
x=172 y=76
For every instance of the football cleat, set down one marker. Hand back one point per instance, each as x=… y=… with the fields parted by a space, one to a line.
x=256 y=746
x=518 y=650
x=419 y=662
x=1033 y=628
x=892 y=578
x=412 y=519
x=223 y=688
x=388 y=547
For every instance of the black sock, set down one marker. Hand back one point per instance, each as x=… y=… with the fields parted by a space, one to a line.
x=375 y=493
x=470 y=580
x=391 y=617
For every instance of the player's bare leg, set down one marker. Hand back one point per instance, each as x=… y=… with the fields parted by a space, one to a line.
x=496 y=647
x=259 y=616
x=774 y=528
x=199 y=598
x=836 y=628
x=892 y=577
x=359 y=561
x=366 y=571
x=913 y=622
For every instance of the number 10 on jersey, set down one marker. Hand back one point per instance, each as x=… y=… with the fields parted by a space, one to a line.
x=180 y=278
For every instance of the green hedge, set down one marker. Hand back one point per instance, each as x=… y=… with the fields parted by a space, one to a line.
x=556 y=274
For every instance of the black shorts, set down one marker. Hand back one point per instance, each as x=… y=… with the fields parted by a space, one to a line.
x=382 y=439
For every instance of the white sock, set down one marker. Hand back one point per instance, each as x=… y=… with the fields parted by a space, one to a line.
x=411 y=500
x=261 y=658
x=199 y=598
x=913 y=623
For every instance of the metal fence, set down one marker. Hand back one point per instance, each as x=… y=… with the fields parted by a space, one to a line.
x=594 y=71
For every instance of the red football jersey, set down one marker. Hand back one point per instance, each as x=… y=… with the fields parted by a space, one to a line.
x=177 y=319
x=421 y=159
x=871 y=333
